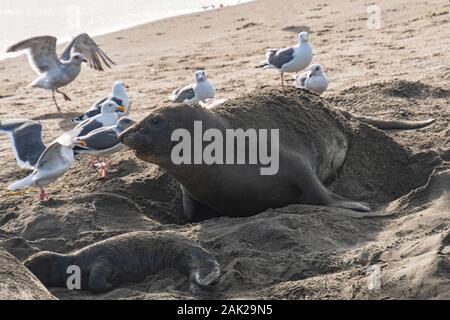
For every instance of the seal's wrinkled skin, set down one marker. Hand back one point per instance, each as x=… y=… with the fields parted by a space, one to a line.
x=314 y=142
x=127 y=258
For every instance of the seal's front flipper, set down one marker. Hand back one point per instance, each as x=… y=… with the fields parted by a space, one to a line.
x=196 y=211
x=315 y=193
x=98 y=278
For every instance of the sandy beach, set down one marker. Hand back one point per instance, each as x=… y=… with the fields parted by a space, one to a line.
x=400 y=71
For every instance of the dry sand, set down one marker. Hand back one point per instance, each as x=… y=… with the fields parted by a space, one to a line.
x=298 y=252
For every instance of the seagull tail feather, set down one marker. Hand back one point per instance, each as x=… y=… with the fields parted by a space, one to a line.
x=26 y=182
x=261 y=65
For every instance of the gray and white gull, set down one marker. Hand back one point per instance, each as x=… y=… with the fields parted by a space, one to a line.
x=55 y=72
x=292 y=59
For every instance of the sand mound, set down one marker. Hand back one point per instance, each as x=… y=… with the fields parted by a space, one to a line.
x=19 y=283
x=294 y=252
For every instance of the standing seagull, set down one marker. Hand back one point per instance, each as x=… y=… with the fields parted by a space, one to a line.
x=118 y=95
x=54 y=162
x=102 y=142
x=315 y=80
x=55 y=72
x=107 y=117
x=292 y=59
x=200 y=91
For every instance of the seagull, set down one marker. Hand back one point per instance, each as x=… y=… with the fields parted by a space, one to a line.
x=55 y=72
x=107 y=117
x=54 y=162
x=291 y=59
x=118 y=95
x=315 y=80
x=102 y=142
x=200 y=91
x=26 y=141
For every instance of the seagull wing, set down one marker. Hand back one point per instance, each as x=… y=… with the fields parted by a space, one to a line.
x=101 y=139
x=183 y=94
x=26 y=141
x=89 y=49
x=281 y=57
x=48 y=157
x=42 y=52
x=300 y=80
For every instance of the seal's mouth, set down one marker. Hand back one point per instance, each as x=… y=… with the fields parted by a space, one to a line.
x=136 y=140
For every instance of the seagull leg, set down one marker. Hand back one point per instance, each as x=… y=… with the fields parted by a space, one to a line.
x=66 y=97
x=94 y=162
x=54 y=100
x=104 y=169
x=42 y=196
x=282 y=79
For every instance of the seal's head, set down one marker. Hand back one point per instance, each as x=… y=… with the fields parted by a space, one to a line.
x=151 y=138
x=48 y=267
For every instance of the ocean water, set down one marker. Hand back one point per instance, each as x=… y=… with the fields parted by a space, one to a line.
x=20 y=19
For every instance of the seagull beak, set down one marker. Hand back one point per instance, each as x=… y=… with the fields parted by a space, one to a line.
x=85 y=61
x=81 y=143
x=121 y=108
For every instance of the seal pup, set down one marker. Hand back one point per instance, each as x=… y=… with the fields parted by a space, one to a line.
x=127 y=258
x=309 y=155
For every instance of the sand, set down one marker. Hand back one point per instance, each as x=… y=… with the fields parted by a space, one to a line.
x=300 y=252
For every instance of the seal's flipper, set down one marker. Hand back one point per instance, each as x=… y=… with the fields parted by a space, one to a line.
x=99 y=276
x=196 y=211
x=315 y=193
x=203 y=271
x=340 y=202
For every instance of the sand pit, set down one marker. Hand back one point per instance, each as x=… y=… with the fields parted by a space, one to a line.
x=291 y=252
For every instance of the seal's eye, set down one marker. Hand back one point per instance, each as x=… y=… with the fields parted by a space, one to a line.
x=156 y=121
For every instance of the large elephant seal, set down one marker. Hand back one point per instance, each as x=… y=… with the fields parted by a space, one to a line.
x=127 y=258
x=314 y=141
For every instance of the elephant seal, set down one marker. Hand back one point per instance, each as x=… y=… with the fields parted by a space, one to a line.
x=127 y=258
x=314 y=141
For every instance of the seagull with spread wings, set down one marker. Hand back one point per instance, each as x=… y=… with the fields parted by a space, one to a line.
x=55 y=72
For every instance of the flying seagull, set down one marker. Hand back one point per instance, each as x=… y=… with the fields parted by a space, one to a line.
x=26 y=140
x=315 y=80
x=102 y=142
x=54 y=162
x=200 y=91
x=118 y=95
x=55 y=72
x=291 y=59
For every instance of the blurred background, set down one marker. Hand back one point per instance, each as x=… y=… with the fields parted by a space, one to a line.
x=20 y=19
